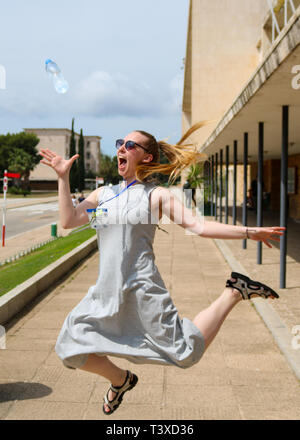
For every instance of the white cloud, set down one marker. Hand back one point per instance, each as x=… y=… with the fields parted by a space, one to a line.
x=106 y=95
x=101 y=94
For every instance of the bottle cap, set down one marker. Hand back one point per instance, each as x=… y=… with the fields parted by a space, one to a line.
x=48 y=61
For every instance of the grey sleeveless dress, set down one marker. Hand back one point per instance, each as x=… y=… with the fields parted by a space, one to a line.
x=129 y=312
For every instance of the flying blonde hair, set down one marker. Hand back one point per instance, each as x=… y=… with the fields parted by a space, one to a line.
x=180 y=156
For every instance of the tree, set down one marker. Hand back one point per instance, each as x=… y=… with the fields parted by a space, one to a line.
x=21 y=162
x=81 y=170
x=73 y=170
x=18 y=153
x=109 y=169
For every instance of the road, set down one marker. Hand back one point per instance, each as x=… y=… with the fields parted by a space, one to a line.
x=27 y=218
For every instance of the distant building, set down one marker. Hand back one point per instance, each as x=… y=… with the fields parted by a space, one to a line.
x=58 y=140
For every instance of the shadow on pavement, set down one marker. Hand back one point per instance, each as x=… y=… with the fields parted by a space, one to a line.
x=23 y=391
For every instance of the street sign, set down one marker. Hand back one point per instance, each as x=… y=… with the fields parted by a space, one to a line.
x=13 y=175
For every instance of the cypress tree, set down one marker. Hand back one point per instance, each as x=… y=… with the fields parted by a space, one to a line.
x=73 y=170
x=81 y=170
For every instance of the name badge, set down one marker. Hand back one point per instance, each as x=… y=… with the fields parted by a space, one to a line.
x=97 y=217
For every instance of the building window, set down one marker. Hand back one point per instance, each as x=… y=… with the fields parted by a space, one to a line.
x=88 y=155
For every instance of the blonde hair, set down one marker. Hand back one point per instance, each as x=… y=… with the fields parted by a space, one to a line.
x=179 y=156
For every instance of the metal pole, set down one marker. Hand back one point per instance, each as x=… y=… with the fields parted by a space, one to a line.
x=292 y=6
x=274 y=19
x=245 y=186
x=260 y=186
x=5 y=186
x=285 y=12
x=283 y=193
x=226 y=184
x=212 y=186
x=234 y=183
x=216 y=188
x=221 y=185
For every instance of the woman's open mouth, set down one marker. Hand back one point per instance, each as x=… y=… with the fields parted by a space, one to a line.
x=122 y=163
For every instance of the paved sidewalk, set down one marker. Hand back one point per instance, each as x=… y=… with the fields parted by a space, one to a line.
x=268 y=272
x=26 y=240
x=243 y=374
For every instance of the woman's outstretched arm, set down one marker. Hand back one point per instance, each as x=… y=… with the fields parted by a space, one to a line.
x=70 y=217
x=169 y=205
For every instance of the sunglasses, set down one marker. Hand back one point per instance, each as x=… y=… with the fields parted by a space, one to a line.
x=129 y=145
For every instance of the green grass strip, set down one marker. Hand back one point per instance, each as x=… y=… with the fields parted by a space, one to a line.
x=15 y=273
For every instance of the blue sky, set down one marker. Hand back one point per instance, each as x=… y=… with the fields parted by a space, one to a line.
x=123 y=60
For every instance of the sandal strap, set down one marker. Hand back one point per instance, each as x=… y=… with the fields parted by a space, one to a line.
x=236 y=285
x=111 y=403
x=118 y=390
x=247 y=287
x=123 y=387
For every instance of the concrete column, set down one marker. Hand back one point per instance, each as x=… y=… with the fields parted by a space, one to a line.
x=259 y=206
x=245 y=185
x=234 y=183
x=283 y=193
x=212 y=164
x=226 y=184
x=216 y=187
x=221 y=186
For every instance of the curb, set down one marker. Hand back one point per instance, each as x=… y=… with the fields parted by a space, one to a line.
x=16 y=299
x=30 y=203
x=277 y=327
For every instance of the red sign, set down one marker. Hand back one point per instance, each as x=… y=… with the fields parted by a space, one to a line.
x=14 y=175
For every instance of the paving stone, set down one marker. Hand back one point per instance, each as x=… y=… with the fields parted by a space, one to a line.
x=242 y=375
x=38 y=410
x=20 y=365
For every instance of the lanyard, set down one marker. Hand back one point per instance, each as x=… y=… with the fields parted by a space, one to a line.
x=117 y=195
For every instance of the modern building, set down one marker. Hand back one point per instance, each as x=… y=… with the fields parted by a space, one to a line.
x=242 y=71
x=58 y=140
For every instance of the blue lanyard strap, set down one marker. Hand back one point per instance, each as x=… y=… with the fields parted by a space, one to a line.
x=117 y=195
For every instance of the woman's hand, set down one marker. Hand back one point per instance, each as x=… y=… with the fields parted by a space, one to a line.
x=265 y=234
x=60 y=166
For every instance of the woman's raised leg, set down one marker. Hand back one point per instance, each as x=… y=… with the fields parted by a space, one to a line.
x=209 y=321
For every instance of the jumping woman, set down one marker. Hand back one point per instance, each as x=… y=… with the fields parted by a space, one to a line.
x=128 y=313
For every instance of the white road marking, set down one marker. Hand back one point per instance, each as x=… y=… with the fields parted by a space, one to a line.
x=37 y=209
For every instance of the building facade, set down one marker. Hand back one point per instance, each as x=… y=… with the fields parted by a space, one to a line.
x=58 y=140
x=242 y=73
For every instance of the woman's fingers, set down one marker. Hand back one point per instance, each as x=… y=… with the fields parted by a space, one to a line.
x=275 y=239
x=46 y=155
x=46 y=163
x=74 y=157
x=50 y=152
x=268 y=244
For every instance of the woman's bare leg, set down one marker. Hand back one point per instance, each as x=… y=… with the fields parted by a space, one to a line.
x=209 y=321
x=104 y=367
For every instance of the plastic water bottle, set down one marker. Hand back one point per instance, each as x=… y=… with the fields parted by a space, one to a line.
x=60 y=84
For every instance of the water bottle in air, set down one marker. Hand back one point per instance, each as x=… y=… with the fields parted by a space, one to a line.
x=60 y=84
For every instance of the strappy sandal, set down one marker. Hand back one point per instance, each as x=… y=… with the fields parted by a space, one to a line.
x=247 y=287
x=130 y=382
